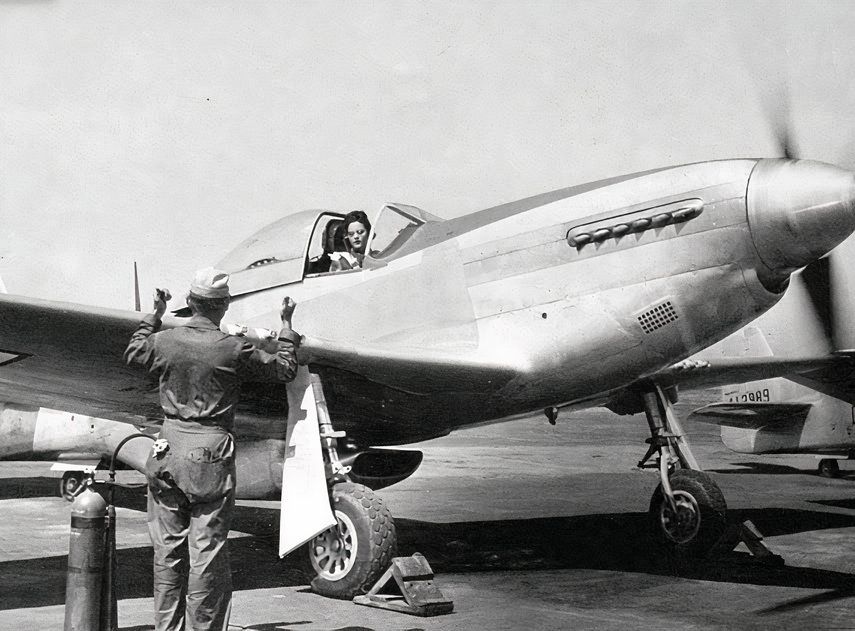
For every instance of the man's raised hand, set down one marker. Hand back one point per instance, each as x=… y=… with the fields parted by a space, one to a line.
x=287 y=310
x=161 y=297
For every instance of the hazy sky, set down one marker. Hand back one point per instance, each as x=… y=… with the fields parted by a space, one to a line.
x=166 y=132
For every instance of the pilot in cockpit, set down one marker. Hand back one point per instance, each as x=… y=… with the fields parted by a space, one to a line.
x=356 y=231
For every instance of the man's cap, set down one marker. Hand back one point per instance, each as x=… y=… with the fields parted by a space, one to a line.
x=210 y=283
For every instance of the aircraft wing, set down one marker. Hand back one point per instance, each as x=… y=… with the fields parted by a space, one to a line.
x=703 y=373
x=750 y=415
x=69 y=357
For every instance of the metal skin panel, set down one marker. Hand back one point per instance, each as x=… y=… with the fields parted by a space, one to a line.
x=433 y=233
x=17 y=427
x=469 y=328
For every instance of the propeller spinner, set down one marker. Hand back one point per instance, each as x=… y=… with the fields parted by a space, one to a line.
x=830 y=281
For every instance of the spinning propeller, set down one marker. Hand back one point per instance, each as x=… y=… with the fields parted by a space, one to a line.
x=830 y=281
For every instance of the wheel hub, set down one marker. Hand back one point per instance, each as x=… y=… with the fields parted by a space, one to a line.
x=682 y=522
x=333 y=552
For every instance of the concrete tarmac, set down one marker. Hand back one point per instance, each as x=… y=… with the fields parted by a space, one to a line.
x=527 y=526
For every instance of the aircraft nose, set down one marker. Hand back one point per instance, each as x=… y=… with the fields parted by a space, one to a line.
x=799 y=210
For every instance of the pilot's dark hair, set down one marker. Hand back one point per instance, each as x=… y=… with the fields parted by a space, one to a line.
x=356 y=215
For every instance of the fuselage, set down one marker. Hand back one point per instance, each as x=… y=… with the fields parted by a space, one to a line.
x=579 y=292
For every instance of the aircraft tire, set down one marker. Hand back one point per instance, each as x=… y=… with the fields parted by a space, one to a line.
x=828 y=468
x=701 y=521
x=349 y=567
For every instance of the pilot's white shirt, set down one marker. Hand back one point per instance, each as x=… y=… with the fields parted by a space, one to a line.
x=350 y=261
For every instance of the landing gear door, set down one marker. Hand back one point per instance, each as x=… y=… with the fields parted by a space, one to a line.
x=305 y=510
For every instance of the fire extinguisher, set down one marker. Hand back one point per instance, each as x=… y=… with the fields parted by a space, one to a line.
x=90 y=595
x=86 y=561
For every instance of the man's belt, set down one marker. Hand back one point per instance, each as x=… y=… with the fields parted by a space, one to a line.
x=202 y=422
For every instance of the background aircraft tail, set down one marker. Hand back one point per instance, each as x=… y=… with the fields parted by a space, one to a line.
x=778 y=415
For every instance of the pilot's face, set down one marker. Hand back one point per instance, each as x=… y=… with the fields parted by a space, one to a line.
x=357 y=235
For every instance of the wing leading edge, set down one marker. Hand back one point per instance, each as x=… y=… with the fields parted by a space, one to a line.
x=697 y=374
x=69 y=357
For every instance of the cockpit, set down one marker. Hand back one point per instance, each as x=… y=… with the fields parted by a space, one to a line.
x=295 y=246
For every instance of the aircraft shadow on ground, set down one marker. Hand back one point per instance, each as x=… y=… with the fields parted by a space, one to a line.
x=22 y=488
x=847 y=503
x=19 y=488
x=265 y=626
x=776 y=469
x=616 y=542
x=42 y=582
x=762 y=468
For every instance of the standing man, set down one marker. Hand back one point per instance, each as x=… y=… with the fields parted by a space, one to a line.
x=191 y=470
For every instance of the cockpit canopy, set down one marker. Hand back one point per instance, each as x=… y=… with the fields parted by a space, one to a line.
x=280 y=252
x=283 y=240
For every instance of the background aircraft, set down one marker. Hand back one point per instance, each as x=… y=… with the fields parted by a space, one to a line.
x=169 y=135
x=780 y=416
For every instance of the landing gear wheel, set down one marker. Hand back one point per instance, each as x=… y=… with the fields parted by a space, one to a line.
x=70 y=485
x=699 y=520
x=828 y=468
x=350 y=558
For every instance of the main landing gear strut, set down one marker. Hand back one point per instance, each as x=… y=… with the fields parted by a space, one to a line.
x=351 y=556
x=687 y=511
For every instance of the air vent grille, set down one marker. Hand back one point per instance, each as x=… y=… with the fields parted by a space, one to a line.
x=657 y=317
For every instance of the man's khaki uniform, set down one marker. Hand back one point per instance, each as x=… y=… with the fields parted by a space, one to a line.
x=192 y=483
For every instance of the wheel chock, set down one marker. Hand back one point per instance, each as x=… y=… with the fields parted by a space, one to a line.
x=747 y=533
x=414 y=591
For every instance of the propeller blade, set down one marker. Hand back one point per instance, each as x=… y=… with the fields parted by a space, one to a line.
x=841 y=276
x=786 y=142
x=846 y=156
x=779 y=111
x=771 y=81
x=830 y=283
x=817 y=282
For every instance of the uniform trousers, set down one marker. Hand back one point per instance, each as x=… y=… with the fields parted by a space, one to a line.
x=192 y=574
x=191 y=499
